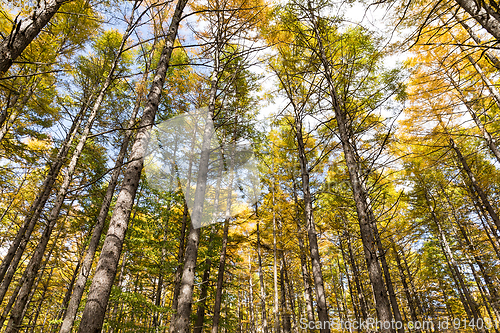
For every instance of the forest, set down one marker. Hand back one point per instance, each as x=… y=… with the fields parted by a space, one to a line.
x=249 y=166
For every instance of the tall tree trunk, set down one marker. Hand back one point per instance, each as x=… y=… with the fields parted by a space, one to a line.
x=484 y=199
x=285 y=313
x=24 y=31
x=468 y=302
x=222 y=262
x=491 y=57
x=277 y=325
x=349 y=282
x=32 y=269
x=67 y=295
x=311 y=230
x=360 y=194
x=42 y=298
x=240 y=314
x=409 y=298
x=291 y=296
x=86 y=266
x=261 y=278
x=95 y=308
x=484 y=15
x=16 y=249
x=251 y=316
x=180 y=320
x=473 y=251
x=200 y=311
x=486 y=134
x=17 y=110
x=387 y=275
x=182 y=236
x=220 y=279
x=357 y=280
x=308 y=298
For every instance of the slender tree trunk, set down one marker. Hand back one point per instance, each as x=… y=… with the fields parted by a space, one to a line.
x=349 y=282
x=24 y=31
x=86 y=266
x=303 y=260
x=251 y=316
x=360 y=195
x=95 y=308
x=17 y=111
x=469 y=303
x=285 y=314
x=36 y=260
x=473 y=251
x=180 y=321
x=387 y=275
x=486 y=135
x=291 y=295
x=222 y=262
x=220 y=279
x=42 y=298
x=475 y=184
x=409 y=298
x=277 y=325
x=16 y=249
x=261 y=278
x=182 y=237
x=311 y=230
x=491 y=57
x=200 y=311
x=240 y=314
x=67 y=295
x=482 y=291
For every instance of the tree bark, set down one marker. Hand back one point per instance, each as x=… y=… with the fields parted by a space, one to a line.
x=24 y=31
x=387 y=275
x=491 y=57
x=484 y=15
x=349 y=282
x=285 y=313
x=494 y=301
x=486 y=134
x=97 y=301
x=470 y=305
x=200 y=311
